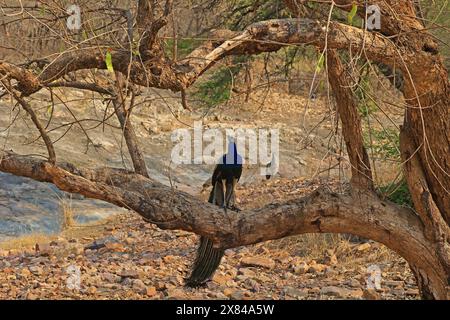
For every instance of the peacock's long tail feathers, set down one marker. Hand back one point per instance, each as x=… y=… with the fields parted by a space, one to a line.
x=207 y=261
x=208 y=258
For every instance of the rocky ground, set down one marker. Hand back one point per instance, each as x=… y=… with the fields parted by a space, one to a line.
x=121 y=257
x=126 y=258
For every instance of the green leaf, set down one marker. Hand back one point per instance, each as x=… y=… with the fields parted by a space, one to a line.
x=85 y=35
x=108 y=61
x=352 y=14
x=49 y=110
x=320 y=63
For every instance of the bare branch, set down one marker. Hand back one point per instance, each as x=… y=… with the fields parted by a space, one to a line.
x=27 y=107
x=359 y=212
x=260 y=37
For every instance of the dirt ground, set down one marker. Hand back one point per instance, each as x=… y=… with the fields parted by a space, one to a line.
x=121 y=257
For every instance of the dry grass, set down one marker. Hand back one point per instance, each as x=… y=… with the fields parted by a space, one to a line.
x=67 y=220
x=319 y=246
x=26 y=242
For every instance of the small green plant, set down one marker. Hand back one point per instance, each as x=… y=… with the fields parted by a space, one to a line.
x=217 y=89
x=398 y=193
x=366 y=106
x=384 y=143
x=184 y=46
x=366 y=109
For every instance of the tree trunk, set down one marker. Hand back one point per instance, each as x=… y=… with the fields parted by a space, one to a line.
x=420 y=236
x=129 y=134
x=359 y=212
x=347 y=109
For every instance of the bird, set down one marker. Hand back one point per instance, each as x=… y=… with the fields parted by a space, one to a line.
x=227 y=172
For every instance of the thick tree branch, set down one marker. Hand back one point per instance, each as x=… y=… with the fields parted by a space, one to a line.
x=149 y=27
x=260 y=37
x=359 y=212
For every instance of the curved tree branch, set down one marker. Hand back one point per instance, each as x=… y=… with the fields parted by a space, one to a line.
x=357 y=212
x=260 y=37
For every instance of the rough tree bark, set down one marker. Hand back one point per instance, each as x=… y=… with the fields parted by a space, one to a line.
x=346 y=106
x=359 y=212
x=425 y=135
x=124 y=117
x=421 y=237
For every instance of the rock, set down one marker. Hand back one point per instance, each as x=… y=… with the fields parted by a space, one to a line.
x=314 y=290
x=115 y=246
x=355 y=294
x=8 y=270
x=169 y=259
x=258 y=262
x=220 y=295
x=398 y=292
x=113 y=278
x=331 y=260
x=371 y=294
x=44 y=249
x=237 y=295
x=247 y=272
x=393 y=283
x=151 y=291
x=412 y=292
x=221 y=279
x=25 y=272
x=363 y=247
x=36 y=270
x=317 y=268
x=228 y=292
x=253 y=285
x=129 y=273
x=300 y=268
x=353 y=283
x=295 y=293
x=139 y=286
x=334 y=291
x=176 y=294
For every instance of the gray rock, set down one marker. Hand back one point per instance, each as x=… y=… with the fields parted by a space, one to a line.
x=295 y=293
